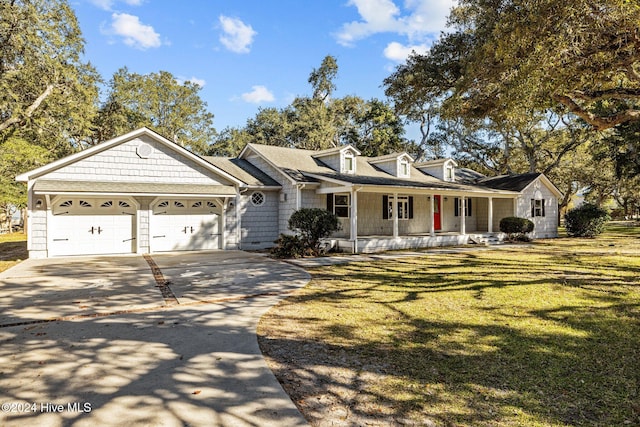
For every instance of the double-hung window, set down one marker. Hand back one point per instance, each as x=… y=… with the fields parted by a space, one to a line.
x=339 y=204
x=403 y=205
x=537 y=207
x=457 y=207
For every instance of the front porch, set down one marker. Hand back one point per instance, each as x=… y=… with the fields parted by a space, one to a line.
x=373 y=244
x=375 y=221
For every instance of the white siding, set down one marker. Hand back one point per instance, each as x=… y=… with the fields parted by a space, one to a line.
x=546 y=226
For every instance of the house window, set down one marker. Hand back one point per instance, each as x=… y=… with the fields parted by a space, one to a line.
x=537 y=207
x=349 y=163
x=457 y=207
x=257 y=198
x=341 y=205
x=404 y=205
x=404 y=168
x=448 y=173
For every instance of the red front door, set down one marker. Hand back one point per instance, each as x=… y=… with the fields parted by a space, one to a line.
x=437 y=225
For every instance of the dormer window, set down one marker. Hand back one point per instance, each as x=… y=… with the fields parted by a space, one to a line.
x=349 y=163
x=404 y=170
x=448 y=173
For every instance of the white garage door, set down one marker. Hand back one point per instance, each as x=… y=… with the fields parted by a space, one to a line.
x=184 y=225
x=92 y=226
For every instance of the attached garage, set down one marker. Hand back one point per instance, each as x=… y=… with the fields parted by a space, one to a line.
x=138 y=193
x=186 y=224
x=92 y=226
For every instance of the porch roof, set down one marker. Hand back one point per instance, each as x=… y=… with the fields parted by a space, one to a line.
x=390 y=184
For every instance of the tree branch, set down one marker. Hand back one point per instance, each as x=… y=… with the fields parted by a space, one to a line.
x=29 y=111
x=598 y=123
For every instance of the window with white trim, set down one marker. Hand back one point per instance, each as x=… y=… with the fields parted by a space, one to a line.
x=349 y=164
x=457 y=207
x=537 y=207
x=404 y=206
x=257 y=198
x=448 y=173
x=341 y=205
x=404 y=169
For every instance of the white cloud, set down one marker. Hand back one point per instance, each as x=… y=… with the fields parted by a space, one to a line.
x=108 y=4
x=422 y=19
x=134 y=33
x=258 y=94
x=237 y=36
x=399 y=53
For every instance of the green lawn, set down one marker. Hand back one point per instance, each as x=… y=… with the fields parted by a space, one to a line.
x=13 y=249
x=539 y=335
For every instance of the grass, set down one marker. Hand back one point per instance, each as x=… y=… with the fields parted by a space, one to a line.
x=13 y=249
x=537 y=335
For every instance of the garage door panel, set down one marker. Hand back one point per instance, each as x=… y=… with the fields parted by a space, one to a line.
x=87 y=230
x=185 y=232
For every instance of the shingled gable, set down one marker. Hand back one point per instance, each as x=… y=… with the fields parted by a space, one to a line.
x=141 y=132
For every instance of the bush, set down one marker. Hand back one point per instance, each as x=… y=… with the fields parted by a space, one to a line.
x=516 y=228
x=288 y=246
x=313 y=224
x=587 y=220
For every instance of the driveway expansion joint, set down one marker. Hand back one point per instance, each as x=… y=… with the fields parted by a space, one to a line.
x=161 y=282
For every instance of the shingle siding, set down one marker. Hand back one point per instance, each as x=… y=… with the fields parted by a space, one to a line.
x=544 y=226
x=259 y=223
x=121 y=163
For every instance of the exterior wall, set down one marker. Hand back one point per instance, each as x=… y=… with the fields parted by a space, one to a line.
x=143 y=224
x=288 y=195
x=259 y=223
x=38 y=232
x=501 y=208
x=122 y=164
x=371 y=222
x=332 y=161
x=546 y=226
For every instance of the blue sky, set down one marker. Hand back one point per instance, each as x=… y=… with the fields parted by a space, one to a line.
x=248 y=54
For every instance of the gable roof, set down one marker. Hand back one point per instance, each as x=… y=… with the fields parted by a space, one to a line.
x=389 y=157
x=301 y=166
x=518 y=182
x=509 y=182
x=244 y=171
x=144 y=131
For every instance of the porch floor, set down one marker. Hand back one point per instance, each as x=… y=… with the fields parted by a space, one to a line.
x=374 y=243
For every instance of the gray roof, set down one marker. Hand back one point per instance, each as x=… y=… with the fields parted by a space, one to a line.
x=301 y=166
x=243 y=171
x=111 y=187
x=509 y=182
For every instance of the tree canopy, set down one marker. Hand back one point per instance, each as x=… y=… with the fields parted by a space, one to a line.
x=506 y=57
x=159 y=101
x=49 y=94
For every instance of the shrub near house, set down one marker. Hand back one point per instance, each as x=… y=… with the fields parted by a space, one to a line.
x=516 y=228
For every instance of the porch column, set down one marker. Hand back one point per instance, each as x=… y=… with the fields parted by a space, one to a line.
x=432 y=209
x=395 y=215
x=463 y=215
x=490 y=215
x=353 y=232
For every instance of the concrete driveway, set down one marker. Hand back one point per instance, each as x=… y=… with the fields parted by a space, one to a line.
x=164 y=341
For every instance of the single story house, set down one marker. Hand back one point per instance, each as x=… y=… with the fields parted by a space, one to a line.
x=141 y=193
